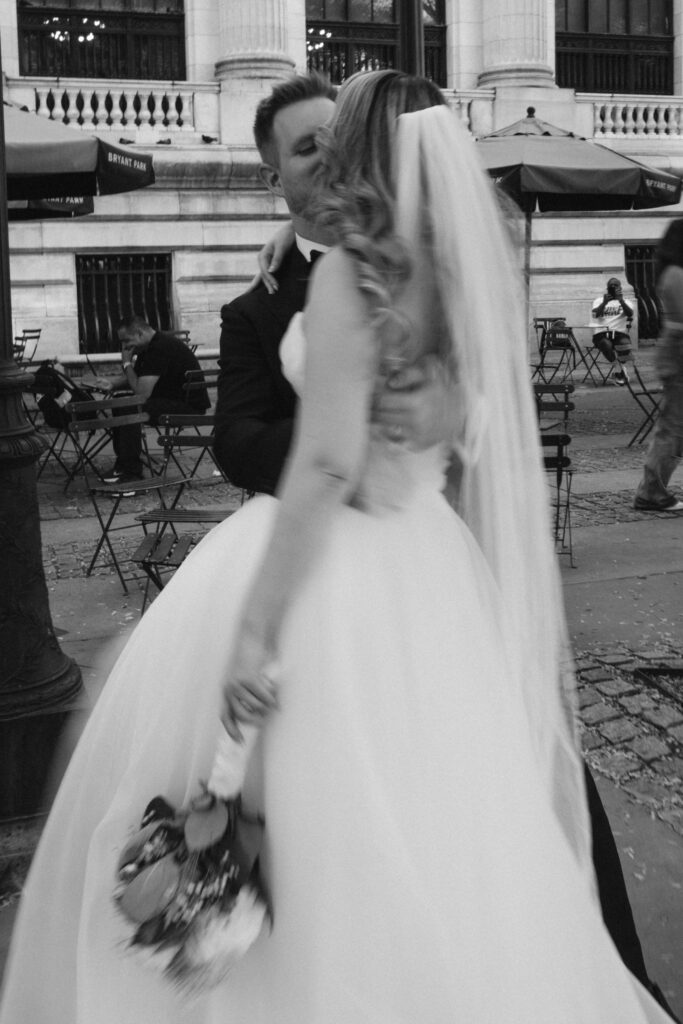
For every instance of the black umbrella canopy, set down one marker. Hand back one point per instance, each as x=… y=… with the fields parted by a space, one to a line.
x=545 y=167
x=48 y=160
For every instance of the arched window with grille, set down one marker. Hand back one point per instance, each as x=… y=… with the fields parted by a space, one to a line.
x=345 y=36
x=615 y=46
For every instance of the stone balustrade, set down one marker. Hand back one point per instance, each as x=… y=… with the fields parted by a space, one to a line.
x=641 y=117
x=176 y=109
x=122 y=105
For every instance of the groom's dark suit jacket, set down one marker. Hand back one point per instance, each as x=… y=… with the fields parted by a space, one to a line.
x=255 y=404
x=254 y=421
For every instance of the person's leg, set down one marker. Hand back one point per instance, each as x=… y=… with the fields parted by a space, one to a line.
x=622 y=352
x=622 y=347
x=603 y=342
x=127 y=443
x=664 y=453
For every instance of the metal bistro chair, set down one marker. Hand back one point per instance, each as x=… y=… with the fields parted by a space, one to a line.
x=591 y=355
x=96 y=419
x=559 y=355
x=28 y=339
x=541 y=325
x=648 y=401
x=558 y=465
x=555 y=399
x=553 y=405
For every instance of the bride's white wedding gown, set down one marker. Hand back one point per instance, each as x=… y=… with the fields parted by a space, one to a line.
x=417 y=872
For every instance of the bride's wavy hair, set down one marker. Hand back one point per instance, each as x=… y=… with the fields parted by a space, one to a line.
x=358 y=152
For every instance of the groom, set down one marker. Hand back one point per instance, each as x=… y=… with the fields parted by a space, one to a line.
x=255 y=406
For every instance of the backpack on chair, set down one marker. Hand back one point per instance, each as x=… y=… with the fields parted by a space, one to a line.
x=56 y=390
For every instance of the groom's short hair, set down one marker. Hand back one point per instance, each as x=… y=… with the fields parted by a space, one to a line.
x=292 y=90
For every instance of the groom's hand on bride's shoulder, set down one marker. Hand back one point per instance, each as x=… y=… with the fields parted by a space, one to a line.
x=418 y=404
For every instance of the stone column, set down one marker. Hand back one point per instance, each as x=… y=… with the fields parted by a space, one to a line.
x=518 y=43
x=464 y=43
x=254 y=43
x=678 y=46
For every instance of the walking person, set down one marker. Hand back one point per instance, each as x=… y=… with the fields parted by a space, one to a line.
x=426 y=820
x=666 y=447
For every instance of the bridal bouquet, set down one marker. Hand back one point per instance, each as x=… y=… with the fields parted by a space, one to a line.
x=188 y=881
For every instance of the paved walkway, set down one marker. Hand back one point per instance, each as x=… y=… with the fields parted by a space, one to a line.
x=625 y=614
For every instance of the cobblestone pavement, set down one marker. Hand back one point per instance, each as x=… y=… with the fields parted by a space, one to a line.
x=631 y=705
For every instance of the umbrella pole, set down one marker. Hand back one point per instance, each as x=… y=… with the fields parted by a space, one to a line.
x=37 y=680
x=527 y=267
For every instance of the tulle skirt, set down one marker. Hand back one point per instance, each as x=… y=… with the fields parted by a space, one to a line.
x=416 y=869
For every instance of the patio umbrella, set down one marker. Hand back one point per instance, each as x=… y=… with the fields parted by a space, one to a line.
x=47 y=160
x=547 y=168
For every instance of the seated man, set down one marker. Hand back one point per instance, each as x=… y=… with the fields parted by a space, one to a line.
x=154 y=366
x=611 y=317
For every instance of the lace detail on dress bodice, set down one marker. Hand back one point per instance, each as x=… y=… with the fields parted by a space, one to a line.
x=393 y=476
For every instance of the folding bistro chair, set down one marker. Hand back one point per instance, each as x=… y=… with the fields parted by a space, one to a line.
x=28 y=339
x=648 y=401
x=204 y=378
x=50 y=392
x=559 y=354
x=96 y=420
x=558 y=465
x=163 y=550
x=591 y=355
x=594 y=371
x=190 y=435
x=553 y=405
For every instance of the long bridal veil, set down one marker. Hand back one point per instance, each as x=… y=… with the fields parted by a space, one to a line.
x=446 y=205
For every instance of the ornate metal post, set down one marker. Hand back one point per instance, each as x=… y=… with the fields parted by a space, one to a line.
x=411 y=38
x=37 y=680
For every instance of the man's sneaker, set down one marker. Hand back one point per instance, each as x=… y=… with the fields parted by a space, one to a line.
x=672 y=505
x=619 y=377
x=117 y=476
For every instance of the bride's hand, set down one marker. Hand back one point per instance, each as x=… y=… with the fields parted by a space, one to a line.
x=271 y=256
x=251 y=692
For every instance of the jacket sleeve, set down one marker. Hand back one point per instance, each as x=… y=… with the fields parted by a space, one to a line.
x=254 y=423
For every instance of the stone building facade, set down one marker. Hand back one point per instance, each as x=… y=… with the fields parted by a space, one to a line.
x=185 y=246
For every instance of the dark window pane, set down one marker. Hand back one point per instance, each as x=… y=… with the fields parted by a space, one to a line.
x=597 y=16
x=433 y=12
x=660 y=19
x=360 y=10
x=640 y=20
x=576 y=16
x=618 y=16
x=383 y=10
x=87 y=42
x=335 y=10
x=315 y=9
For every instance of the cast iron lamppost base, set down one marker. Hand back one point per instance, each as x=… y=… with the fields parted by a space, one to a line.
x=37 y=680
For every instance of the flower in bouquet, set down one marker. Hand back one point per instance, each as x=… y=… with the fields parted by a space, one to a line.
x=188 y=881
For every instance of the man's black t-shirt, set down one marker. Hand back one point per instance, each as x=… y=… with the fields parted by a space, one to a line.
x=168 y=358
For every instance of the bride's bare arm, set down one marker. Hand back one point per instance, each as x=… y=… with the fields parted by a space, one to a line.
x=329 y=450
x=270 y=257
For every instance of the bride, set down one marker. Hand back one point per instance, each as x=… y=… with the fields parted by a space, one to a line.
x=427 y=846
